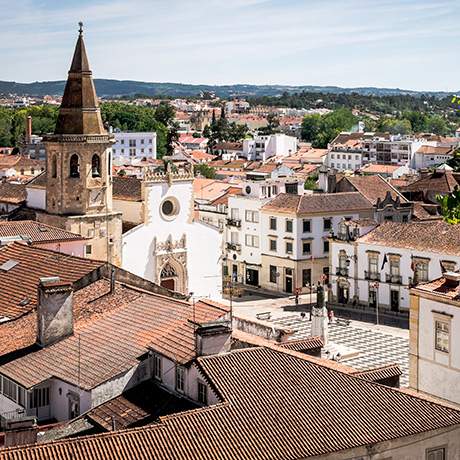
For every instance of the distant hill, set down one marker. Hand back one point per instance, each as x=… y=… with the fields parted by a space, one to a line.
x=113 y=88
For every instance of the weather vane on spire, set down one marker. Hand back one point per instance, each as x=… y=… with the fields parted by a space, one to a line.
x=80 y=30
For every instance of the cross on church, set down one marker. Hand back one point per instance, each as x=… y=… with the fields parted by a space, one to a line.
x=80 y=30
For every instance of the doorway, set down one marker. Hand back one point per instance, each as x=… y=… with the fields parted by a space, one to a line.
x=288 y=284
x=168 y=284
x=252 y=277
x=343 y=294
x=394 y=300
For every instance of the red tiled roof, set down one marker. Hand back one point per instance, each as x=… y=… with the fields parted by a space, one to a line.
x=12 y=193
x=112 y=344
x=373 y=187
x=379 y=373
x=36 y=231
x=127 y=188
x=432 y=236
x=441 y=288
x=20 y=282
x=264 y=416
x=318 y=203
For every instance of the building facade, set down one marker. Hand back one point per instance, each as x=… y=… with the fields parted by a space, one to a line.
x=375 y=265
x=435 y=339
x=133 y=146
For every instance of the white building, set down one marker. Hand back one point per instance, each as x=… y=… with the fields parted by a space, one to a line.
x=435 y=338
x=428 y=156
x=264 y=147
x=352 y=151
x=374 y=266
x=295 y=234
x=134 y=146
x=168 y=247
x=244 y=231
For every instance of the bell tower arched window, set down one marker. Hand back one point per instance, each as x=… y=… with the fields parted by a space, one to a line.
x=74 y=166
x=96 y=166
x=54 y=167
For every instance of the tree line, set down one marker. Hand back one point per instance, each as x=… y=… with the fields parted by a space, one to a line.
x=118 y=115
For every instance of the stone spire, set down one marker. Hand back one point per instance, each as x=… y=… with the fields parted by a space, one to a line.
x=79 y=112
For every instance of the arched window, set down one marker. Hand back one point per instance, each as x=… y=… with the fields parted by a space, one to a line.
x=54 y=167
x=168 y=272
x=96 y=166
x=74 y=166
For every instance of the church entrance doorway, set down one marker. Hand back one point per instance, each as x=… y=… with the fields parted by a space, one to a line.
x=252 y=277
x=169 y=284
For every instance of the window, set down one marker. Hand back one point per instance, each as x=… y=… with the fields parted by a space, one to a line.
x=88 y=249
x=306 y=277
x=288 y=225
x=122 y=141
x=157 y=367
x=326 y=247
x=288 y=247
x=421 y=271
x=142 y=141
x=442 y=336
x=132 y=142
x=74 y=166
x=373 y=265
x=306 y=247
x=132 y=152
x=252 y=241
x=54 y=167
x=327 y=224
x=10 y=389
x=39 y=397
x=234 y=238
x=272 y=223
x=273 y=273
x=394 y=266
x=96 y=166
x=180 y=378
x=202 y=393
x=234 y=213
x=438 y=453
x=272 y=245
x=306 y=226
x=252 y=216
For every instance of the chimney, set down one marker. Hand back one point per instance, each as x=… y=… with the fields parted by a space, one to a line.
x=319 y=319
x=21 y=431
x=29 y=129
x=213 y=338
x=54 y=311
x=452 y=279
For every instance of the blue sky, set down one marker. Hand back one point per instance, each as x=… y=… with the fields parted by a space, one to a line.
x=411 y=44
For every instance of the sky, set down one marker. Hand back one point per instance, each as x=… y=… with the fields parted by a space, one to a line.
x=409 y=44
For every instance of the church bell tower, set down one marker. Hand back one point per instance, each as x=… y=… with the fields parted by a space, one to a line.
x=78 y=165
x=79 y=151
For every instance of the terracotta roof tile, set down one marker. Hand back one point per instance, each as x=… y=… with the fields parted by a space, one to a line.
x=20 y=282
x=127 y=188
x=318 y=203
x=36 y=231
x=264 y=416
x=112 y=343
x=12 y=193
x=437 y=236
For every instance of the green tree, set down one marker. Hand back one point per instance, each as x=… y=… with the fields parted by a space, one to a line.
x=450 y=206
x=204 y=170
x=321 y=129
x=394 y=126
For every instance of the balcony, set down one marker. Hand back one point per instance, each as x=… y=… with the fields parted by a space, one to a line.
x=341 y=271
x=234 y=247
x=234 y=222
x=393 y=279
x=372 y=276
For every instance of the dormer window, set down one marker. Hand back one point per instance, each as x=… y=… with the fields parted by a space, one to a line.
x=74 y=166
x=96 y=166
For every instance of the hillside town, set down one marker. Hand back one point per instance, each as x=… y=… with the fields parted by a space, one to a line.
x=219 y=285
